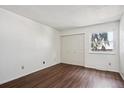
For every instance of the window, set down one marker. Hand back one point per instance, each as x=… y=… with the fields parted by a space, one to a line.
x=102 y=41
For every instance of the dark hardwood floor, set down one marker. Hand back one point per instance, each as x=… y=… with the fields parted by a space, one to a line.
x=68 y=76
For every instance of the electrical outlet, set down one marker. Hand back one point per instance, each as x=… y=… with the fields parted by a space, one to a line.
x=22 y=67
x=44 y=62
x=109 y=63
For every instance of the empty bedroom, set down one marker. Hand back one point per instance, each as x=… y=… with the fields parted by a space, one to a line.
x=61 y=46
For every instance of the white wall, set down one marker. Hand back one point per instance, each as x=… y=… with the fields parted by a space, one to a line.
x=24 y=42
x=122 y=46
x=99 y=61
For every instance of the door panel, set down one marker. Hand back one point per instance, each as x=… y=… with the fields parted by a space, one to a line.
x=72 y=49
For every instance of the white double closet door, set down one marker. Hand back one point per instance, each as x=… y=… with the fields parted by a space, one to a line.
x=72 y=49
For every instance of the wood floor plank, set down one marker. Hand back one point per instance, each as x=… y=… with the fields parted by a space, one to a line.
x=68 y=76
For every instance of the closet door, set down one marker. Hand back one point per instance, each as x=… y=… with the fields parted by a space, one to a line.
x=72 y=49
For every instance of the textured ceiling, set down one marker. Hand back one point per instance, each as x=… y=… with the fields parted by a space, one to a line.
x=64 y=17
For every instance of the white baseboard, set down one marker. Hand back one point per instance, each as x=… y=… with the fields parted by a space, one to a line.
x=24 y=74
x=122 y=75
x=92 y=67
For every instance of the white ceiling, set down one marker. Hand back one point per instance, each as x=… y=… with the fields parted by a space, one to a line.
x=64 y=17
